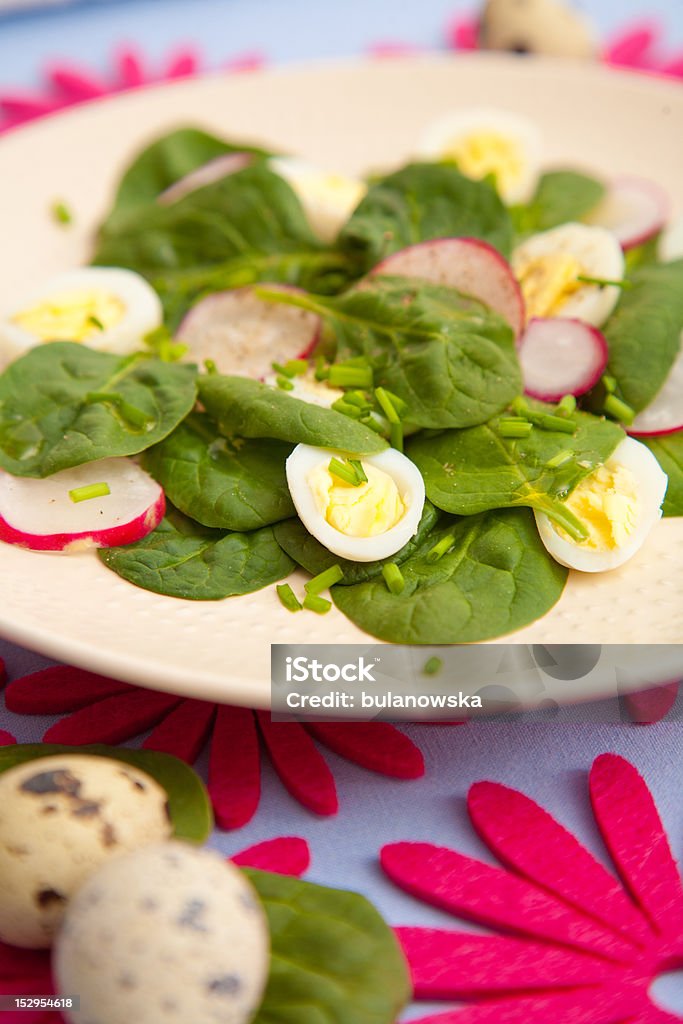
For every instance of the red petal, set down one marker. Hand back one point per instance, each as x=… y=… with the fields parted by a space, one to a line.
x=634 y=835
x=22 y=963
x=76 y=85
x=632 y=46
x=24 y=107
x=459 y=965
x=234 y=767
x=129 y=67
x=529 y=840
x=246 y=62
x=6 y=738
x=491 y=896
x=113 y=720
x=673 y=67
x=374 y=745
x=586 y=1006
x=302 y=769
x=288 y=855
x=183 y=63
x=463 y=34
x=651 y=705
x=184 y=730
x=3 y=673
x=52 y=691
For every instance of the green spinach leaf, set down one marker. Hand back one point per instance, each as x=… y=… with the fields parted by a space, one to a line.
x=669 y=453
x=644 y=331
x=183 y=559
x=450 y=359
x=188 y=800
x=62 y=404
x=229 y=483
x=333 y=959
x=497 y=578
x=419 y=202
x=561 y=196
x=294 y=538
x=470 y=471
x=247 y=408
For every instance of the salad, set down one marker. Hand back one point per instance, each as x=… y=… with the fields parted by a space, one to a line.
x=438 y=391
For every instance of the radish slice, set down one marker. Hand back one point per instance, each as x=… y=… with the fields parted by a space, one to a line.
x=213 y=170
x=468 y=264
x=561 y=357
x=245 y=335
x=41 y=514
x=664 y=414
x=633 y=209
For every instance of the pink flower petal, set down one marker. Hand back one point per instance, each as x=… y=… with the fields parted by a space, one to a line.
x=246 y=62
x=673 y=67
x=129 y=68
x=22 y=963
x=234 y=767
x=113 y=720
x=632 y=46
x=52 y=691
x=23 y=107
x=183 y=63
x=586 y=1006
x=302 y=769
x=526 y=838
x=634 y=835
x=392 y=48
x=463 y=34
x=288 y=855
x=378 y=746
x=184 y=730
x=459 y=965
x=76 y=85
x=491 y=896
x=3 y=673
x=652 y=705
x=6 y=738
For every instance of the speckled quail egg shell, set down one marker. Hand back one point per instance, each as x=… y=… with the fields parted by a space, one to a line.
x=61 y=817
x=167 y=933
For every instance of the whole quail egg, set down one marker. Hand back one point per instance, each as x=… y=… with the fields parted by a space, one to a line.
x=536 y=26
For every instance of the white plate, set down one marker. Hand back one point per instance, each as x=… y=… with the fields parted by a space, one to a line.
x=352 y=117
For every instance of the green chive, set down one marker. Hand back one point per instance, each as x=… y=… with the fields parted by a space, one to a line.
x=341 y=405
x=210 y=366
x=284 y=383
x=324 y=580
x=514 y=427
x=432 y=666
x=609 y=384
x=288 y=598
x=344 y=376
x=440 y=549
x=317 y=604
x=96 y=322
x=61 y=213
x=360 y=472
x=399 y=405
x=295 y=367
x=282 y=370
x=603 y=282
x=393 y=577
x=567 y=405
x=322 y=371
x=358 y=398
x=136 y=417
x=558 y=423
x=559 y=459
x=373 y=423
x=520 y=406
x=89 y=491
x=387 y=406
x=619 y=410
x=344 y=471
x=396 y=436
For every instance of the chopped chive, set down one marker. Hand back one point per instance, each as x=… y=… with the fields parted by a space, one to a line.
x=96 y=322
x=136 y=417
x=393 y=577
x=61 y=213
x=317 y=604
x=295 y=367
x=324 y=579
x=89 y=491
x=281 y=370
x=432 y=666
x=210 y=366
x=399 y=405
x=620 y=410
x=440 y=549
x=514 y=427
x=387 y=406
x=344 y=471
x=357 y=398
x=322 y=370
x=341 y=405
x=396 y=436
x=373 y=423
x=360 y=472
x=567 y=405
x=559 y=459
x=559 y=423
x=344 y=376
x=603 y=282
x=520 y=406
x=609 y=384
x=284 y=383
x=288 y=598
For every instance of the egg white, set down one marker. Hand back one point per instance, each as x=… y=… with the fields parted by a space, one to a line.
x=306 y=388
x=405 y=474
x=328 y=198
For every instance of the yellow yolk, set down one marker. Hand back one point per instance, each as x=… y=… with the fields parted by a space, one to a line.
x=485 y=153
x=607 y=503
x=72 y=316
x=547 y=282
x=363 y=511
x=335 y=187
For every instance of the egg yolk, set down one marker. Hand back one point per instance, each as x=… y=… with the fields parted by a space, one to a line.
x=607 y=503
x=72 y=316
x=487 y=152
x=363 y=511
x=547 y=282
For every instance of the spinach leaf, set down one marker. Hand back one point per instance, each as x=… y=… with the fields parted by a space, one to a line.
x=449 y=358
x=561 y=196
x=294 y=538
x=247 y=408
x=669 y=453
x=497 y=578
x=470 y=471
x=188 y=801
x=63 y=404
x=644 y=331
x=419 y=202
x=333 y=959
x=183 y=559
x=229 y=483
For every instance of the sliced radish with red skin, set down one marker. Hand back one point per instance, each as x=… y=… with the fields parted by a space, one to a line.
x=41 y=515
x=633 y=209
x=467 y=264
x=207 y=174
x=664 y=414
x=560 y=357
x=244 y=335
